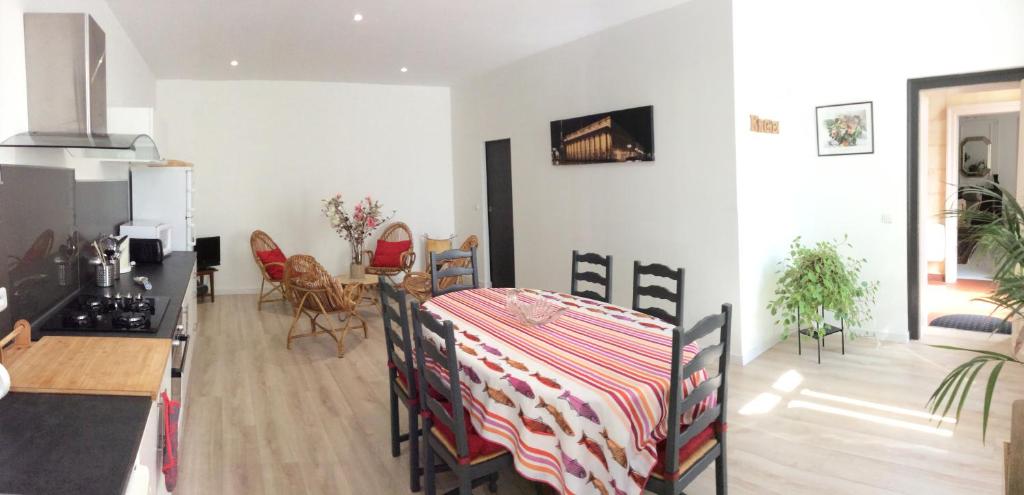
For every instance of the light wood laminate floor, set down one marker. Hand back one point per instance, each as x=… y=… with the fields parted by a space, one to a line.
x=262 y=419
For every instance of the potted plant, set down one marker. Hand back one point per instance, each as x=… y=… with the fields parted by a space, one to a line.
x=818 y=278
x=996 y=223
x=355 y=228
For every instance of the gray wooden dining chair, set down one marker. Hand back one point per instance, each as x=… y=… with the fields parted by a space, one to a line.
x=690 y=449
x=446 y=428
x=402 y=380
x=658 y=270
x=590 y=276
x=456 y=265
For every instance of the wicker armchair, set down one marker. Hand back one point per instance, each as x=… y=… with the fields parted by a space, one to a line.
x=418 y=284
x=395 y=232
x=259 y=241
x=314 y=293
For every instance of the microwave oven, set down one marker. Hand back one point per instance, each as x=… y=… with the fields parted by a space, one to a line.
x=149 y=229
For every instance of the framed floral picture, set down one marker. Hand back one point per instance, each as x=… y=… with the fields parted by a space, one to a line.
x=846 y=129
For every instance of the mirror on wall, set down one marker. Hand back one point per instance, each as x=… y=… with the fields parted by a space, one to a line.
x=975 y=156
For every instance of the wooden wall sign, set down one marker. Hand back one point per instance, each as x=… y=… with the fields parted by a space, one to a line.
x=757 y=124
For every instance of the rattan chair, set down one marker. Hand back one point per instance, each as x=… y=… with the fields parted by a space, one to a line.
x=595 y=278
x=395 y=232
x=419 y=284
x=657 y=291
x=259 y=241
x=447 y=431
x=690 y=449
x=314 y=293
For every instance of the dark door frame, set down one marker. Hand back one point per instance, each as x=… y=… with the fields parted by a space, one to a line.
x=914 y=88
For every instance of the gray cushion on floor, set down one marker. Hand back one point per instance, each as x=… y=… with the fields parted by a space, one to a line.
x=977 y=323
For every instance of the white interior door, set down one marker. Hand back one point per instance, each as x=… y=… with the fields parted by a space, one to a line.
x=1020 y=147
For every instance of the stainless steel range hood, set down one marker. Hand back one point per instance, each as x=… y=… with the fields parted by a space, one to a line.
x=65 y=62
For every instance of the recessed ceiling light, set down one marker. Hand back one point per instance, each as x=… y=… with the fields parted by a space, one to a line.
x=234 y=63
x=357 y=17
x=405 y=69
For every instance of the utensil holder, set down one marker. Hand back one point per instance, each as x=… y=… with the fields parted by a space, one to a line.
x=105 y=274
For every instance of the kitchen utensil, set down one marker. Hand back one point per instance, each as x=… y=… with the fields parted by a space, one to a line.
x=105 y=274
x=144 y=282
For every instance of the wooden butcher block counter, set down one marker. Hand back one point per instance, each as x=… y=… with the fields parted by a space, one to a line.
x=92 y=365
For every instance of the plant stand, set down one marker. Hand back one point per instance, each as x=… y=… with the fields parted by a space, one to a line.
x=810 y=332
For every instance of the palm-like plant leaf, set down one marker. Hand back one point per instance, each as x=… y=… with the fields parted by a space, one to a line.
x=996 y=223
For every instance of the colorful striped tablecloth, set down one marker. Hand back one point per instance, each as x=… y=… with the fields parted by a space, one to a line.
x=580 y=402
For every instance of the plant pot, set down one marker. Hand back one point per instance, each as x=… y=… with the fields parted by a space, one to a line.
x=1014 y=451
x=356 y=270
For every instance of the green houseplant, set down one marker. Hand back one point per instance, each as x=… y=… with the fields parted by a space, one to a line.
x=996 y=224
x=820 y=276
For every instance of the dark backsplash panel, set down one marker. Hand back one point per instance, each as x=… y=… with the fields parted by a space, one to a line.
x=100 y=208
x=37 y=224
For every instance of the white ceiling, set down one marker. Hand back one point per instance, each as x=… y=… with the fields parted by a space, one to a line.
x=440 y=41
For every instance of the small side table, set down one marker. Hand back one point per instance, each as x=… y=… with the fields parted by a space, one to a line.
x=369 y=283
x=208 y=273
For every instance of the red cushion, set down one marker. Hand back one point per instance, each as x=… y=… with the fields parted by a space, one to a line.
x=389 y=254
x=478 y=445
x=685 y=451
x=416 y=379
x=275 y=255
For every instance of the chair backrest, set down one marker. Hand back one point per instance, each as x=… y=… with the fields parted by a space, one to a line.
x=260 y=241
x=309 y=285
x=455 y=264
x=470 y=243
x=715 y=384
x=447 y=386
x=658 y=291
x=397 y=231
x=591 y=276
x=394 y=312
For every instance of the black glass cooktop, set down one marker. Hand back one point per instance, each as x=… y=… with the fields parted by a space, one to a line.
x=118 y=313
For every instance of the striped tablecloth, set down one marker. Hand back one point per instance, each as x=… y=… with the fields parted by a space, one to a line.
x=580 y=402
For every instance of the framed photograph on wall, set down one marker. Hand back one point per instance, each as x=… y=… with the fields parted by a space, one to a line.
x=846 y=129
x=610 y=137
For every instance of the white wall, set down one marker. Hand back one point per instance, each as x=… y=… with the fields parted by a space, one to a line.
x=790 y=60
x=130 y=82
x=266 y=153
x=680 y=210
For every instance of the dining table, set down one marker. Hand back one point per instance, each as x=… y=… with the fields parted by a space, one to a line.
x=581 y=401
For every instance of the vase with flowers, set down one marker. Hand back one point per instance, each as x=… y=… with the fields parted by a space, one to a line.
x=366 y=216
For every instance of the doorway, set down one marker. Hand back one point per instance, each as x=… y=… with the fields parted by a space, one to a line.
x=500 y=234
x=926 y=229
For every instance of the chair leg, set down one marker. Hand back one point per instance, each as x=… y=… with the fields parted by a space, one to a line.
x=818 y=340
x=259 y=302
x=492 y=483
x=291 y=329
x=721 y=476
x=395 y=442
x=414 y=449
x=341 y=337
x=465 y=485
x=428 y=467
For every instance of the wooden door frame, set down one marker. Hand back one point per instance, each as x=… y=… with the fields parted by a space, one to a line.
x=914 y=88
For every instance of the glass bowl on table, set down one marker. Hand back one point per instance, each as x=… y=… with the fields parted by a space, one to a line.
x=535 y=313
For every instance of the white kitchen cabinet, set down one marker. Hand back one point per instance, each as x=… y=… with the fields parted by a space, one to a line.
x=147 y=476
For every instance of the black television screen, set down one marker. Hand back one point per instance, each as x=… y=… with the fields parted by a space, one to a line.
x=207 y=251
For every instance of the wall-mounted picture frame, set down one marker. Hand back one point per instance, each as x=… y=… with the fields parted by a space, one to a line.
x=845 y=129
x=609 y=137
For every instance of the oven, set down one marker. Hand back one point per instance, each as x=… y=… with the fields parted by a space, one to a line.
x=179 y=352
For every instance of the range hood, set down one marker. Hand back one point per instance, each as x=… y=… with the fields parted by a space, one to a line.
x=66 y=72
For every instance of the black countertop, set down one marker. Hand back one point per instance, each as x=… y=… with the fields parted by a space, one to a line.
x=58 y=443
x=169 y=279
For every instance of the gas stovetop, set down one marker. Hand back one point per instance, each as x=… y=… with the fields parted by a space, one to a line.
x=120 y=313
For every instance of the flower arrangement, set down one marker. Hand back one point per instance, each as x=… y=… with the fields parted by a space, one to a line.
x=845 y=130
x=355 y=228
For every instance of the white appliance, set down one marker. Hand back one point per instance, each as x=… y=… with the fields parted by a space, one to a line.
x=164 y=194
x=150 y=229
